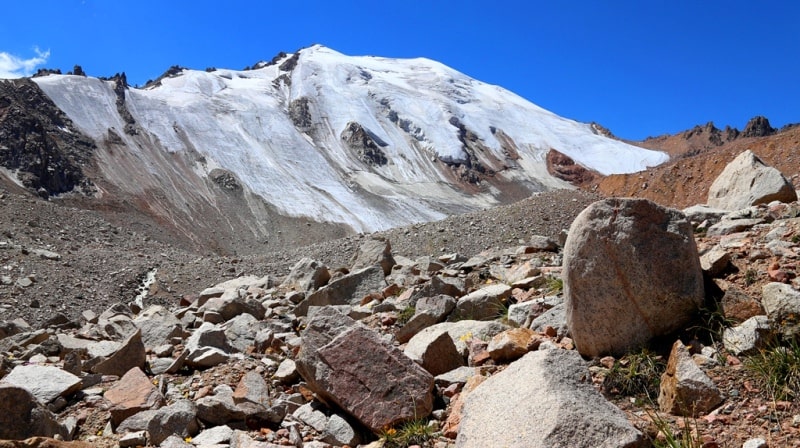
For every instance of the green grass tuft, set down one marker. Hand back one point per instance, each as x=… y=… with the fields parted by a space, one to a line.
x=405 y=315
x=637 y=374
x=414 y=432
x=778 y=370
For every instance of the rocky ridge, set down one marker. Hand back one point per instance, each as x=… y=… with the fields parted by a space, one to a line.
x=696 y=161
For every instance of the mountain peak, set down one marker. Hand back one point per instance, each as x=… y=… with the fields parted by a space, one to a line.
x=758 y=127
x=363 y=143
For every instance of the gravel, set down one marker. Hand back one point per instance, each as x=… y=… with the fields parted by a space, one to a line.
x=101 y=264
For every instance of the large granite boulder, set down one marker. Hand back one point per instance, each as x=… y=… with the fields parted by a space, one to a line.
x=631 y=272
x=544 y=400
x=748 y=181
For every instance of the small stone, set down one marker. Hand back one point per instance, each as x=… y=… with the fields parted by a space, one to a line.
x=746 y=339
x=757 y=442
x=287 y=371
x=512 y=344
x=685 y=388
x=138 y=438
x=214 y=436
x=607 y=361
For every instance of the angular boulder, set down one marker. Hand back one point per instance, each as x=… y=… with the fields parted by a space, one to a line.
x=374 y=251
x=462 y=331
x=133 y=393
x=486 y=303
x=241 y=331
x=307 y=275
x=747 y=181
x=513 y=344
x=782 y=304
x=179 y=418
x=116 y=358
x=544 y=400
x=631 y=272
x=352 y=366
x=219 y=409
x=347 y=290
x=752 y=335
x=46 y=383
x=685 y=388
x=231 y=304
x=429 y=311
x=435 y=352
x=23 y=416
x=207 y=346
x=738 y=306
x=158 y=326
x=715 y=261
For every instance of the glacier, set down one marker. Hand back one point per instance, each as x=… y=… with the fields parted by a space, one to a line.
x=279 y=129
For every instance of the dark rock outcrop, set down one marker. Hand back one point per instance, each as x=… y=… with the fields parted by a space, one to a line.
x=758 y=127
x=225 y=180
x=470 y=169
x=291 y=63
x=39 y=142
x=365 y=143
x=120 y=86
x=300 y=114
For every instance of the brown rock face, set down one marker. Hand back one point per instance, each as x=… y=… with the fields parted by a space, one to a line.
x=564 y=168
x=631 y=272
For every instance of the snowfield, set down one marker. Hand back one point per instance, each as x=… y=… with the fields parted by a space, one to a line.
x=240 y=121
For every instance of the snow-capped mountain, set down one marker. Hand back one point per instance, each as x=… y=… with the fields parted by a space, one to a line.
x=364 y=143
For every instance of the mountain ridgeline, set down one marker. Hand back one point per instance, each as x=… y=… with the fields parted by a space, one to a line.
x=312 y=145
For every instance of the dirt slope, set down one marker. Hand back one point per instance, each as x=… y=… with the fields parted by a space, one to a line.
x=696 y=162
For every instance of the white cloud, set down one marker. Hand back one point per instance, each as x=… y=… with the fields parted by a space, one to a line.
x=14 y=67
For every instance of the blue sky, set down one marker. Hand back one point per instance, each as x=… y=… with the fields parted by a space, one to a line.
x=641 y=68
